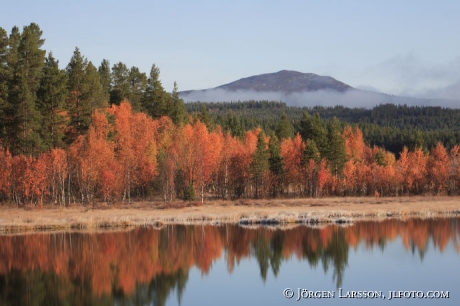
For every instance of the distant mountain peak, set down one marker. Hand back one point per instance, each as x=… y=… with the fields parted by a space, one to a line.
x=286 y=81
x=308 y=89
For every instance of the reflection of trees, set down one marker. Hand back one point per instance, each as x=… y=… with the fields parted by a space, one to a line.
x=146 y=266
x=336 y=253
x=157 y=291
x=268 y=250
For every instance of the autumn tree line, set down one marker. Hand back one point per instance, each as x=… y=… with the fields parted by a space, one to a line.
x=71 y=136
x=387 y=125
x=43 y=107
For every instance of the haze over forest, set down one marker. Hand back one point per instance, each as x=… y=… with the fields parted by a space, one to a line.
x=308 y=89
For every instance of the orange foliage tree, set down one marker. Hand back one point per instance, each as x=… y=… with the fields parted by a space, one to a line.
x=292 y=151
x=439 y=168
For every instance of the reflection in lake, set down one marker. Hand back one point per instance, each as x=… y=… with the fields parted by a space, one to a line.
x=147 y=266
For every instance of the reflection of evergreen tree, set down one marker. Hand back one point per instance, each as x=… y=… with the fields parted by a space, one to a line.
x=313 y=257
x=157 y=291
x=336 y=253
x=277 y=245
x=262 y=253
x=162 y=286
x=269 y=252
x=37 y=287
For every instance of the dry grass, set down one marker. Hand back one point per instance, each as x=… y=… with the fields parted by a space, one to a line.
x=248 y=212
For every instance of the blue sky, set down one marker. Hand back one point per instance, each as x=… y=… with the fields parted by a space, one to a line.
x=398 y=47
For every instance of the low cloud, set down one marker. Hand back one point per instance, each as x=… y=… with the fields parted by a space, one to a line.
x=408 y=75
x=350 y=98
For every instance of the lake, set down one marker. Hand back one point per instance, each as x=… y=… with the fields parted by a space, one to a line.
x=391 y=262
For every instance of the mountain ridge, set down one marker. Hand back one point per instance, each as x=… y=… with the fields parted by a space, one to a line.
x=304 y=89
x=286 y=81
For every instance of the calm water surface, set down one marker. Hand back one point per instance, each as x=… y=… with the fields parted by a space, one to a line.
x=232 y=265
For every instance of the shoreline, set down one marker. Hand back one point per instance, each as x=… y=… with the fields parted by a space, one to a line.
x=277 y=212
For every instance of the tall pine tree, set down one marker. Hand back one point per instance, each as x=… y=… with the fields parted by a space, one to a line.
x=106 y=78
x=260 y=165
x=336 y=153
x=51 y=104
x=85 y=95
x=155 y=101
x=276 y=166
x=284 y=129
x=120 y=83
x=313 y=128
x=26 y=64
x=137 y=82
x=4 y=76
x=178 y=112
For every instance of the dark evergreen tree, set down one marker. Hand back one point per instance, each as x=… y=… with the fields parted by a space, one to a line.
x=178 y=111
x=336 y=153
x=95 y=93
x=234 y=125
x=26 y=64
x=311 y=174
x=85 y=95
x=155 y=101
x=106 y=78
x=276 y=166
x=120 y=83
x=12 y=68
x=204 y=117
x=284 y=129
x=314 y=129
x=260 y=165
x=311 y=152
x=137 y=84
x=380 y=158
x=51 y=104
x=4 y=77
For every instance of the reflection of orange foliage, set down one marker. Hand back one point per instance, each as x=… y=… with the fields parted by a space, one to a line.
x=125 y=259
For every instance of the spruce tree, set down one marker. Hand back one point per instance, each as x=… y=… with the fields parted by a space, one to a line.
x=311 y=174
x=27 y=64
x=154 y=101
x=120 y=83
x=336 y=153
x=276 y=165
x=313 y=128
x=137 y=82
x=51 y=103
x=95 y=92
x=260 y=164
x=204 y=117
x=11 y=71
x=380 y=158
x=85 y=95
x=4 y=76
x=233 y=124
x=284 y=129
x=311 y=152
x=106 y=78
x=178 y=111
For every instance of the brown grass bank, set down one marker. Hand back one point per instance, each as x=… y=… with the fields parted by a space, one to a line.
x=279 y=211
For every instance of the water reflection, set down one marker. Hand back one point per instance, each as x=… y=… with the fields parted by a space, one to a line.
x=146 y=266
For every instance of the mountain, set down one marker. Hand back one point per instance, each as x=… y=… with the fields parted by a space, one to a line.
x=303 y=89
x=288 y=82
x=285 y=81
